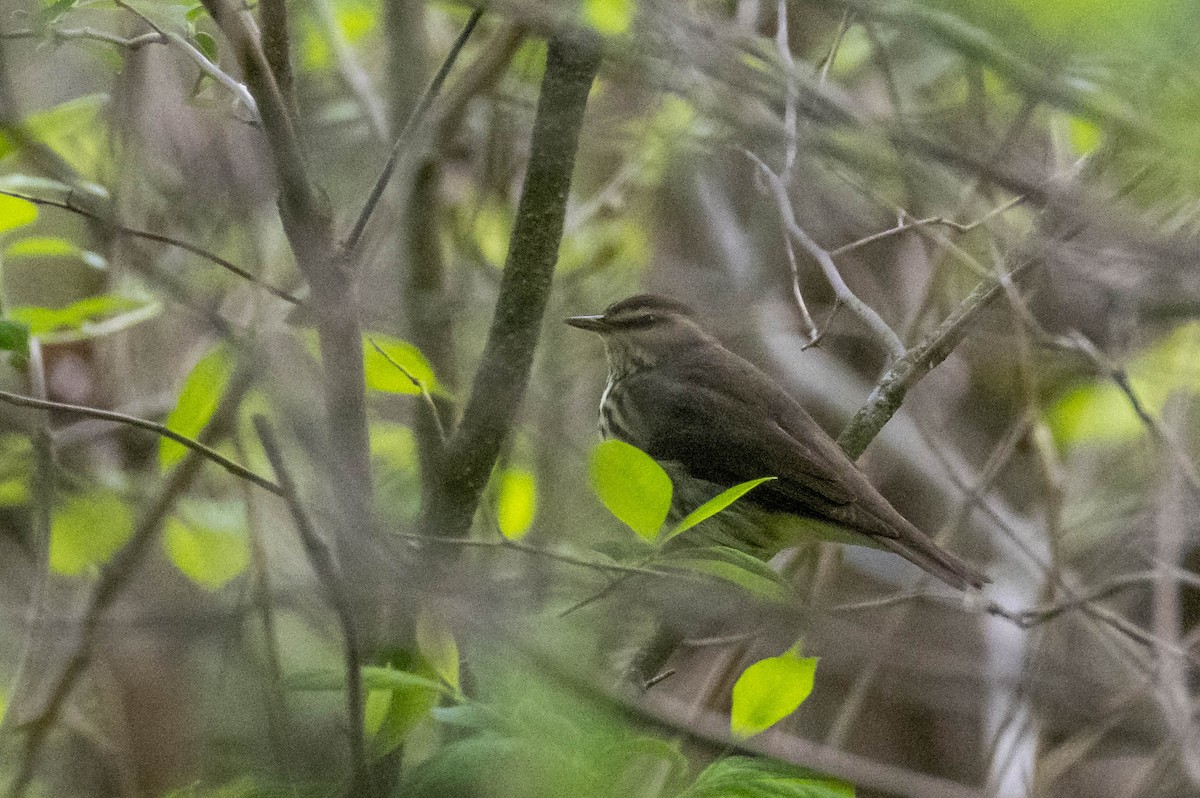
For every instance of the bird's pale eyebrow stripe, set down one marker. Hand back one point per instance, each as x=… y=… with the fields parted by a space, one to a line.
x=641 y=319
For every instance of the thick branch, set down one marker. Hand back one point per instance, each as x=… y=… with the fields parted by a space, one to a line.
x=571 y=65
x=308 y=221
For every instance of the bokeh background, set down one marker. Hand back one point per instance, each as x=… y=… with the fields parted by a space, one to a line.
x=935 y=149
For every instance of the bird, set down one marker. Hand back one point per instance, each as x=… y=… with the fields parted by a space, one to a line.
x=713 y=420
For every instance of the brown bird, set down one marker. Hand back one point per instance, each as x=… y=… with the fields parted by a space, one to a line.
x=714 y=420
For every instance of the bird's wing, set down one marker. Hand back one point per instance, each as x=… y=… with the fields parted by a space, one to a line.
x=722 y=436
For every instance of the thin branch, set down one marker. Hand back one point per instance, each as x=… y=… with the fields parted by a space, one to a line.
x=308 y=221
x=572 y=61
x=831 y=56
x=364 y=216
x=506 y=544
x=918 y=361
x=113 y=579
x=905 y=224
x=321 y=558
x=842 y=291
x=208 y=452
x=161 y=239
x=87 y=33
x=791 y=91
x=237 y=88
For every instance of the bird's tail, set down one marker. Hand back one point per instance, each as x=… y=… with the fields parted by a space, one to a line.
x=931 y=558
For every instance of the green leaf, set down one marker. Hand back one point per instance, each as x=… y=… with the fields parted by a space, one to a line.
x=86 y=530
x=386 y=372
x=198 y=400
x=373 y=678
x=770 y=690
x=516 y=502
x=437 y=646
x=86 y=319
x=729 y=565
x=54 y=247
x=1100 y=412
x=396 y=471
x=206 y=44
x=16 y=213
x=609 y=16
x=747 y=777
x=208 y=544
x=73 y=129
x=491 y=230
x=56 y=9
x=41 y=246
x=632 y=486
x=16 y=462
x=716 y=504
x=14 y=337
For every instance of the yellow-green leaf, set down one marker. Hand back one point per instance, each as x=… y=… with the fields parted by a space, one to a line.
x=611 y=17
x=492 y=227
x=208 y=544
x=87 y=530
x=632 y=486
x=716 y=504
x=16 y=213
x=770 y=690
x=516 y=502
x=729 y=565
x=87 y=318
x=437 y=646
x=198 y=400
x=394 y=370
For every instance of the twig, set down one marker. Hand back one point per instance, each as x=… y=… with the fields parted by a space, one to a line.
x=506 y=544
x=308 y=221
x=842 y=291
x=321 y=558
x=158 y=238
x=237 y=88
x=905 y=224
x=918 y=361
x=572 y=61
x=364 y=216
x=843 y=27
x=86 y=33
x=791 y=91
x=208 y=452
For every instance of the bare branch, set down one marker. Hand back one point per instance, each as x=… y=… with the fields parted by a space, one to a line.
x=364 y=216
x=918 y=361
x=208 y=452
x=113 y=579
x=321 y=558
x=277 y=47
x=161 y=239
x=840 y=290
x=906 y=224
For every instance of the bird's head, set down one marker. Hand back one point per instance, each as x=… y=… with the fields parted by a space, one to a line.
x=643 y=329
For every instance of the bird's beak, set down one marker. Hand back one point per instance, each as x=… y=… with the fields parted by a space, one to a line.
x=593 y=323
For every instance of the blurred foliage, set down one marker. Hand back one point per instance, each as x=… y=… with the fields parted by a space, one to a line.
x=1061 y=133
